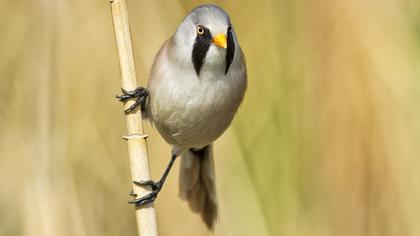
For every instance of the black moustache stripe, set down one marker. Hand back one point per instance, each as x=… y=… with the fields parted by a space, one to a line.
x=230 y=51
x=201 y=47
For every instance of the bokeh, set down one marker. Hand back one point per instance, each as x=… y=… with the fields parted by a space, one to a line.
x=327 y=141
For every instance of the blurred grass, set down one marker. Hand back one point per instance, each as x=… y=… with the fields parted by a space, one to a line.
x=326 y=142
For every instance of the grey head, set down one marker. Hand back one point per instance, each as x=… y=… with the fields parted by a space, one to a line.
x=205 y=38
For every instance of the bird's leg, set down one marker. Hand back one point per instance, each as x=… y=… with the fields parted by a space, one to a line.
x=156 y=186
x=140 y=93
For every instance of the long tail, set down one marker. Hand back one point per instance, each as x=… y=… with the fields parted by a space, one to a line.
x=197 y=183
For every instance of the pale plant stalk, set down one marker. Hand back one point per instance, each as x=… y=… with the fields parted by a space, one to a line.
x=136 y=140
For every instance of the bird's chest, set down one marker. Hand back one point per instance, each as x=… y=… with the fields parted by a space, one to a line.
x=187 y=110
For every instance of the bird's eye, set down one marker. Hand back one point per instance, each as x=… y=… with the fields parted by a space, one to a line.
x=200 y=30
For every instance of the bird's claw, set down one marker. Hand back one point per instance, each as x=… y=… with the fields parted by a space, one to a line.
x=151 y=197
x=132 y=194
x=156 y=187
x=140 y=93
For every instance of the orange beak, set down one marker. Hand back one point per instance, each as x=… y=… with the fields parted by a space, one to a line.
x=220 y=40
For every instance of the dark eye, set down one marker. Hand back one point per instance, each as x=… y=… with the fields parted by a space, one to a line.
x=200 y=30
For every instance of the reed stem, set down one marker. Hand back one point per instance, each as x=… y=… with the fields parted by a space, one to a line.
x=136 y=140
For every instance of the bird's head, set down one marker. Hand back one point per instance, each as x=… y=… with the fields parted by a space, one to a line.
x=206 y=39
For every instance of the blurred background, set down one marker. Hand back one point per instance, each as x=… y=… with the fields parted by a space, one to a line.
x=326 y=142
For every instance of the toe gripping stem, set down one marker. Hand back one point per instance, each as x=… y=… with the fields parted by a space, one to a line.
x=156 y=186
x=139 y=93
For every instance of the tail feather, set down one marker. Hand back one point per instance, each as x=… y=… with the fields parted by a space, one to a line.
x=197 y=183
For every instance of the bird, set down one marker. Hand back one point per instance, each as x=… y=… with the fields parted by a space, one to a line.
x=195 y=87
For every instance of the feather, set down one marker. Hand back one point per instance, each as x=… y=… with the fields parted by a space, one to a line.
x=197 y=183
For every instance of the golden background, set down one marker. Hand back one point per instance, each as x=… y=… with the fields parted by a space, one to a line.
x=327 y=141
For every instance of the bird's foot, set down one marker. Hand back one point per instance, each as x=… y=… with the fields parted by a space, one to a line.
x=140 y=93
x=151 y=197
x=156 y=186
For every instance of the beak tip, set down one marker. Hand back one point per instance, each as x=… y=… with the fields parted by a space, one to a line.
x=220 y=40
x=223 y=46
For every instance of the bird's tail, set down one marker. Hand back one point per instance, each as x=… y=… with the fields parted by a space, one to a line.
x=197 y=183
